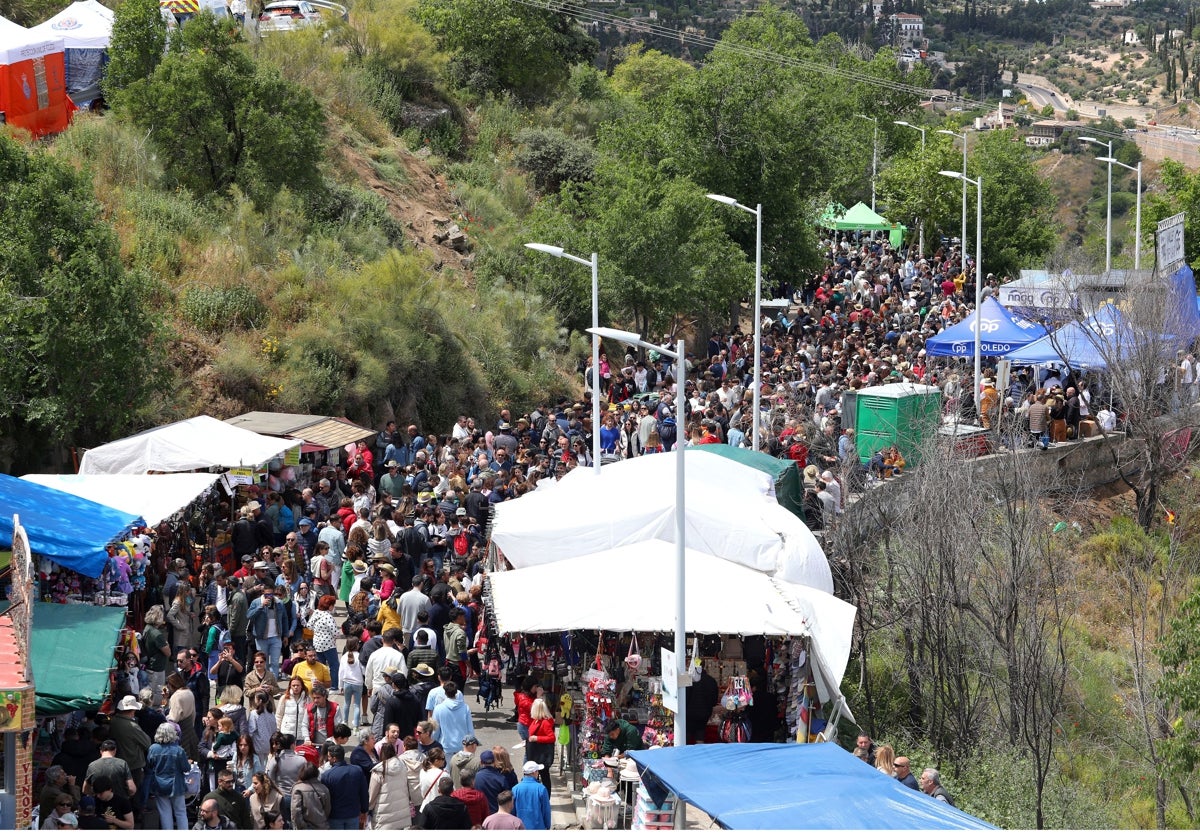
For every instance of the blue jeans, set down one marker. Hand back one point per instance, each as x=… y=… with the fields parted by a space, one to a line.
x=347 y=824
x=523 y=731
x=330 y=658
x=272 y=648
x=172 y=813
x=350 y=712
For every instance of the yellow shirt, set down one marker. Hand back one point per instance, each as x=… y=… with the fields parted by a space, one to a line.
x=318 y=671
x=388 y=617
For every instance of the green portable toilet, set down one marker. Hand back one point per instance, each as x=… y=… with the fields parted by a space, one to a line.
x=903 y=413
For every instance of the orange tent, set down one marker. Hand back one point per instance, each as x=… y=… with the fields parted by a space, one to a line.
x=33 y=81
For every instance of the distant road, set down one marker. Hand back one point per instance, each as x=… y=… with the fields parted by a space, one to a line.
x=1041 y=93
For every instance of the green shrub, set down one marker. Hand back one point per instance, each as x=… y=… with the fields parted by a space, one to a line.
x=218 y=310
x=553 y=158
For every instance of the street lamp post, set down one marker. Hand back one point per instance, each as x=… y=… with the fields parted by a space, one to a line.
x=594 y=262
x=962 y=249
x=680 y=530
x=978 y=184
x=757 y=213
x=874 y=156
x=1108 y=215
x=1137 y=225
x=920 y=226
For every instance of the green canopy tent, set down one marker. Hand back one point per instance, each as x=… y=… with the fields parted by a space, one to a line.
x=862 y=217
x=789 y=486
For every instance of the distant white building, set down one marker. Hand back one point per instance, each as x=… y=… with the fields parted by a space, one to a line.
x=876 y=7
x=906 y=27
x=1130 y=38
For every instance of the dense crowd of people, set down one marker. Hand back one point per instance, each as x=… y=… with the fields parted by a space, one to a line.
x=319 y=681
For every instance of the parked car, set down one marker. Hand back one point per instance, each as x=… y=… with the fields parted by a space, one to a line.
x=287 y=15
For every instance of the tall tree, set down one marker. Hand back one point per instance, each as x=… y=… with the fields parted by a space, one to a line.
x=1018 y=205
x=222 y=120
x=502 y=45
x=80 y=338
x=139 y=39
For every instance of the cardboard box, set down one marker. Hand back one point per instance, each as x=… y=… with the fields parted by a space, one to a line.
x=1088 y=428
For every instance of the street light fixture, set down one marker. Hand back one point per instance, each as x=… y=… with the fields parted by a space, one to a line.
x=757 y=213
x=680 y=358
x=962 y=249
x=874 y=156
x=594 y=262
x=920 y=226
x=1137 y=228
x=978 y=184
x=1108 y=215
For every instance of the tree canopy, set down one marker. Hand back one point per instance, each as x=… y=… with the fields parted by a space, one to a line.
x=220 y=119
x=80 y=347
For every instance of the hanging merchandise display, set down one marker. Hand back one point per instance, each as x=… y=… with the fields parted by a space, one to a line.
x=737 y=699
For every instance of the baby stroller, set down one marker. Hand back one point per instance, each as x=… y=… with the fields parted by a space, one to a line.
x=491 y=690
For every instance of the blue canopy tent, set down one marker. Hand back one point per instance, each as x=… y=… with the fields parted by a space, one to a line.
x=1084 y=345
x=1000 y=332
x=71 y=531
x=795 y=786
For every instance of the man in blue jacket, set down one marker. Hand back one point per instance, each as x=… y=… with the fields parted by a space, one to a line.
x=488 y=780
x=531 y=800
x=270 y=624
x=347 y=791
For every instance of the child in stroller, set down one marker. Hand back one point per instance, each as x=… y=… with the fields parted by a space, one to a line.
x=491 y=690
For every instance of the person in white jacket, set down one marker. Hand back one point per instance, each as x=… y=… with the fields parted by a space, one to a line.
x=393 y=791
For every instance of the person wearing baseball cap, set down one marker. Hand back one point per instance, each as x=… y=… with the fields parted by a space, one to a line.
x=531 y=800
x=489 y=780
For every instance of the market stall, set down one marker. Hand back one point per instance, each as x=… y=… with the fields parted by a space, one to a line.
x=781 y=643
x=731 y=512
x=154 y=498
x=784 y=472
x=790 y=787
x=64 y=529
x=200 y=443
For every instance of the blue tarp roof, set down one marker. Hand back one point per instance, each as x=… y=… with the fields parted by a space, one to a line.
x=795 y=786
x=1000 y=332
x=1086 y=344
x=71 y=531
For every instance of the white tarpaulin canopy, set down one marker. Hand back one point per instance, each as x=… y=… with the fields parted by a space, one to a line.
x=84 y=25
x=721 y=597
x=154 y=498
x=731 y=513
x=197 y=444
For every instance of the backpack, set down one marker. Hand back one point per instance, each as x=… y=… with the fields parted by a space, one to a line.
x=462 y=545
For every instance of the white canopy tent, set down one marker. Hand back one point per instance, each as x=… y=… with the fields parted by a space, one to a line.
x=722 y=597
x=154 y=498
x=86 y=29
x=200 y=443
x=730 y=507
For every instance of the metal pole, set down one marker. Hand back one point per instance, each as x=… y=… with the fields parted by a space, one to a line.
x=978 y=286
x=920 y=224
x=755 y=437
x=874 y=163
x=680 y=549
x=1137 y=225
x=1108 y=217
x=962 y=251
x=595 y=363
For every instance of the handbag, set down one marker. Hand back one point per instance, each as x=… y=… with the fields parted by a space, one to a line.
x=634 y=659
x=597 y=672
